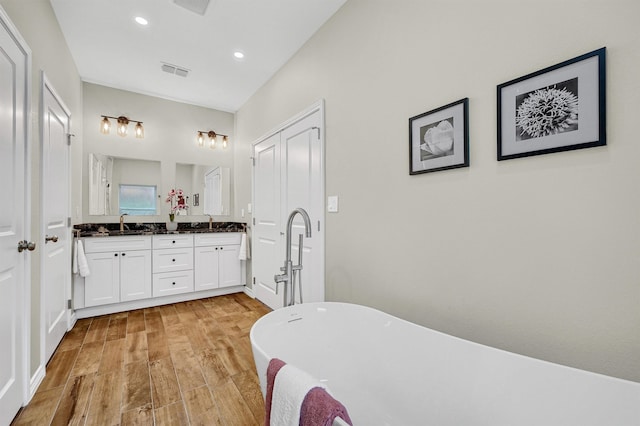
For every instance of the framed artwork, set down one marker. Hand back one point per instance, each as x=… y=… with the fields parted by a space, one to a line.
x=559 y=108
x=439 y=139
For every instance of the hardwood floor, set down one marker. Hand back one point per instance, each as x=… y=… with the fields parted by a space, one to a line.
x=182 y=364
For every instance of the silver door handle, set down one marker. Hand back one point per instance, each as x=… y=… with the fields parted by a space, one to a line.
x=26 y=245
x=53 y=239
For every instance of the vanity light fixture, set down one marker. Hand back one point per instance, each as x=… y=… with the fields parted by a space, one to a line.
x=213 y=138
x=123 y=126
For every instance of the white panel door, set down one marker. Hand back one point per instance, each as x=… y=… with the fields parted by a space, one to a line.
x=288 y=174
x=266 y=241
x=14 y=217
x=56 y=275
x=302 y=187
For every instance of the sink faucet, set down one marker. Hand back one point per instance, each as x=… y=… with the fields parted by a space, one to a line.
x=210 y=222
x=122 y=222
x=288 y=277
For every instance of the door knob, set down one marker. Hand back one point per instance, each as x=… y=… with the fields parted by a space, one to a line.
x=26 y=245
x=53 y=239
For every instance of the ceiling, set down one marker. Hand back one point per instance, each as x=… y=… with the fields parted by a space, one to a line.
x=111 y=49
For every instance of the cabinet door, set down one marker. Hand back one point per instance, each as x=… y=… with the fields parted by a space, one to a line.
x=230 y=270
x=206 y=268
x=102 y=286
x=135 y=275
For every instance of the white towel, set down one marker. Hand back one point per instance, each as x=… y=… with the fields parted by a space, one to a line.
x=81 y=265
x=289 y=390
x=244 y=248
x=74 y=257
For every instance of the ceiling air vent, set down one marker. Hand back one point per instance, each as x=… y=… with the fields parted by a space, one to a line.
x=196 y=6
x=174 y=69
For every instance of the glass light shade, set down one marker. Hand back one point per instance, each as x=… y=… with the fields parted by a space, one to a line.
x=212 y=144
x=123 y=124
x=200 y=139
x=139 y=131
x=225 y=142
x=105 y=126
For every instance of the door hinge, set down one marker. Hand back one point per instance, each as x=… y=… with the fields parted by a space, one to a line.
x=69 y=135
x=254 y=221
x=253 y=161
x=254 y=280
x=69 y=222
x=318 y=226
x=69 y=304
x=318 y=129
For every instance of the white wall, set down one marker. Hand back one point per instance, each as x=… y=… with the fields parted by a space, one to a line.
x=536 y=255
x=38 y=26
x=170 y=137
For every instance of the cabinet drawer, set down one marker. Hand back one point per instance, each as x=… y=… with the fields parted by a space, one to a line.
x=168 y=260
x=168 y=283
x=217 y=239
x=103 y=244
x=172 y=241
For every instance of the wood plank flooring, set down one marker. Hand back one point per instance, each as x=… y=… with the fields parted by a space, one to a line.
x=182 y=364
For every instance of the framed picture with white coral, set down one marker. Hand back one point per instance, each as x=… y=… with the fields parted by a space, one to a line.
x=439 y=139
x=558 y=108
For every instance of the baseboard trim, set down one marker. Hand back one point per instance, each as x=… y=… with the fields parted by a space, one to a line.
x=156 y=301
x=35 y=381
x=249 y=292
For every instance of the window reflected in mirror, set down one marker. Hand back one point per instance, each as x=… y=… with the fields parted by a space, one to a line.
x=137 y=200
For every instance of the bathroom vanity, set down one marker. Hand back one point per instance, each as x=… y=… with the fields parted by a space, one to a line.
x=139 y=271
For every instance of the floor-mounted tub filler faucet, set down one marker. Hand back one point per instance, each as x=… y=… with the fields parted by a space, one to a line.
x=288 y=278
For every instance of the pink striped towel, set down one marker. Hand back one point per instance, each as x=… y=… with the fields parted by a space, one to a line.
x=318 y=407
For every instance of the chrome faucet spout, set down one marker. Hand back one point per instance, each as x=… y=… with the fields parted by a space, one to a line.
x=307 y=227
x=122 y=222
x=289 y=269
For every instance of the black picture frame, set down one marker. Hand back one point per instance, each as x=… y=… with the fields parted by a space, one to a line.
x=439 y=139
x=559 y=108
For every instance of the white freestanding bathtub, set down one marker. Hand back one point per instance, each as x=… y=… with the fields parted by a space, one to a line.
x=387 y=371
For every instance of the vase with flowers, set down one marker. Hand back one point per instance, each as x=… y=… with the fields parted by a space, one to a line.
x=176 y=200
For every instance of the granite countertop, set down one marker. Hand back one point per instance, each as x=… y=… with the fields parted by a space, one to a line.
x=113 y=229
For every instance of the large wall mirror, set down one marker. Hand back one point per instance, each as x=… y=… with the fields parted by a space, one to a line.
x=207 y=189
x=120 y=185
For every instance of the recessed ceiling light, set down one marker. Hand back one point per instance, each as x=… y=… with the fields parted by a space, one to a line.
x=140 y=20
x=238 y=55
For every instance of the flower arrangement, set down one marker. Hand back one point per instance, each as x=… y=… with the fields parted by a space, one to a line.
x=176 y=199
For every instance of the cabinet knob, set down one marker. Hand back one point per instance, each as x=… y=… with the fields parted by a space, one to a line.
x=173 y=242
x=173 y=260
x=174 y=283
x=115 y=254
x=221 y=248
x=124 y=254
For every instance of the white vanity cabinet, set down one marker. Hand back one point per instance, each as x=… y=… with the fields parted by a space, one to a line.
x=133 y=272
x=120 y=269
x=216 y=263
x=172 y=264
